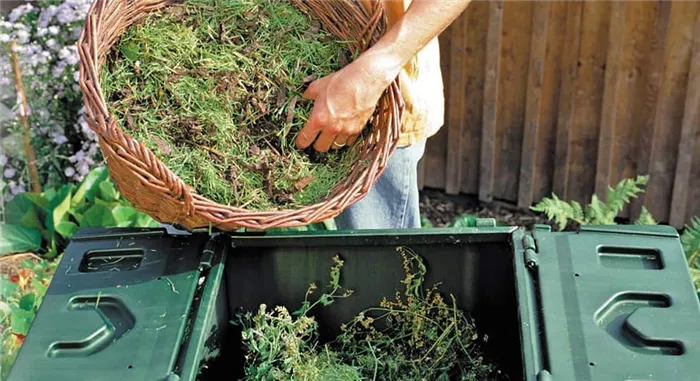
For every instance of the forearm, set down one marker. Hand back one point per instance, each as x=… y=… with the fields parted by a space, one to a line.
x=423 y=21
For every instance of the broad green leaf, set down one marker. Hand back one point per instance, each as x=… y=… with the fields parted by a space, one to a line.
x=78 y=216
x=7 y=288
x=89 y=186
x=32 y=220
x=131 y=51
x=124 y=215
x=18 y=238
x=107 y=191
x=40 y=290
x=145 y=221
x=16 y=208
x=66 y=229
x=50 y=194
x=39 y=200
x=59 y=207
x=27 y=302
x=98 y=216
x=21 y=321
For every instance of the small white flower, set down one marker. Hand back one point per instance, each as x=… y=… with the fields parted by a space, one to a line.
x=53 y=30
x=4 y=38
x=69 y=171
x=22 y=36
x=3 y=160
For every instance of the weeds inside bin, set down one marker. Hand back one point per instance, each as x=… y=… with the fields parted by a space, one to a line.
x=214 y=89
x=417 y=336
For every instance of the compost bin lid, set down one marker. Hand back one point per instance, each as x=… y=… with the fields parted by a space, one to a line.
x=616 y=303
x=117 y=308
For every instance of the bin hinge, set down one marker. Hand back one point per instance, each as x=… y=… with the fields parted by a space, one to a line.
x=544 y=376
x=530 y=252
x=206 y=261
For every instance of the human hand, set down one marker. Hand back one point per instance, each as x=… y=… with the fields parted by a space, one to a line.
x=343 y=103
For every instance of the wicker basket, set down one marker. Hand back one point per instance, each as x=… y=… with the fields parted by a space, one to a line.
x=153 y=189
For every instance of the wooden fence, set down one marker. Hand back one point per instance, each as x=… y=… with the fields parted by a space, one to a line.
x=570 y=97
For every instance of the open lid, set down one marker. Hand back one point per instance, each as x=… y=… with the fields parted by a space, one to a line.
x=118 y=307
x=616 y=303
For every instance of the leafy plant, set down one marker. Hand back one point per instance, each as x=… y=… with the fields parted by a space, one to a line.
x=690 y=239
x=44 y=223
x=418 y=336
x=597 y=212
x=604 y=213
x=22 y=294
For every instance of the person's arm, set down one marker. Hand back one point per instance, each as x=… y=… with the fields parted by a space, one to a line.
x=345 y=100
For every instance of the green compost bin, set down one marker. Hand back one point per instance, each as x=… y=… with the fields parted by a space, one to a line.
x=140 y=304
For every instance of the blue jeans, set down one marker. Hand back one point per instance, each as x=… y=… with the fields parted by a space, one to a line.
x=393 y=202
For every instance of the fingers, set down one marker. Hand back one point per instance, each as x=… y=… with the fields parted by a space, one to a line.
x=340 y=141
x=310 y=131
x=325 y=140
x=312 y=91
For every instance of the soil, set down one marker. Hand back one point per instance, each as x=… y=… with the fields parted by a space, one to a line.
x=442 y=209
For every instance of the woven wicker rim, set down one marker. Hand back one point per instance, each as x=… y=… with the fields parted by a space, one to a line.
x=154 y=189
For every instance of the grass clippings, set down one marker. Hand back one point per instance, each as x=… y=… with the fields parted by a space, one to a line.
x=418 y=336
x=214 y=89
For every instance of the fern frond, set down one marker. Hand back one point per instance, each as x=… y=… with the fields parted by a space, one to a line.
x=645 y=218
x=598 y=213
x=579 y=215
x=555 y=209
x=624 y=191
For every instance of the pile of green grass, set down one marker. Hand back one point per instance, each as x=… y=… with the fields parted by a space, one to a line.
x=214 y=88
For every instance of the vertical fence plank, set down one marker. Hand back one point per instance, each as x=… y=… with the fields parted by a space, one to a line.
x=456 y=120
x=435 y=157
x=512 y=78
x=611 y=98
x=475 y=61
x=540 y=106
x=588 y=96
x=565 y=119
x=652 y=74
x=488 y=137
x=688 y=148
x=631 y=30
x=669 y=111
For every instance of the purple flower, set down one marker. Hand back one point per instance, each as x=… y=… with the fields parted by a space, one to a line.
x=19 y=12
x=53 y=30
x=84 y=169
x=60 y=139
x=3 y=160
x=16 y=189
x=9 y=173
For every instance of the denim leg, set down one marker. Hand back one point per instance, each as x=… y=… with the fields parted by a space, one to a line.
x=393 y=202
